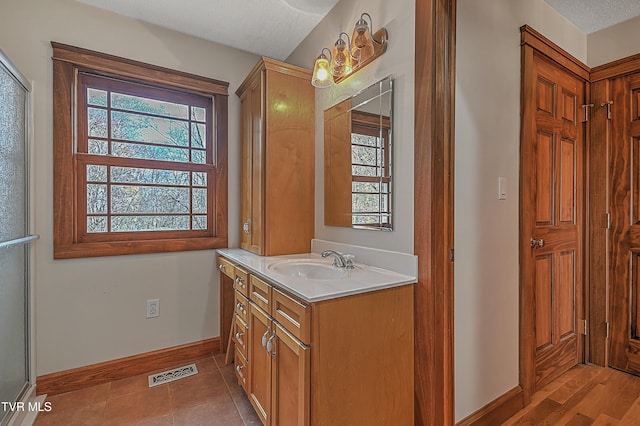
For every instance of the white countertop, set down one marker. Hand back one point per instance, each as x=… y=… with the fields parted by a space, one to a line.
x=362 y=279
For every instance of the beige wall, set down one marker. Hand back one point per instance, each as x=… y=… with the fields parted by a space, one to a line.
x=486 y=229
x=93 y=310
x=398 y=61
x=614 y=43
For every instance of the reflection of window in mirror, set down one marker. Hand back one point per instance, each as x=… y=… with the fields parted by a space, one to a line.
x=370 y=168
x=358 y=133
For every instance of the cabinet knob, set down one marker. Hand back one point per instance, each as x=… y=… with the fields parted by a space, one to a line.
x=239 y=369
x=240 y=281
x=221 y=267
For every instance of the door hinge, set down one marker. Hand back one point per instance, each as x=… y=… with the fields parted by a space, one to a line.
x=608 y=106
x=582 y=327
x=608 y=330
x=608 y=220
x=452 y=255
x=586 y=112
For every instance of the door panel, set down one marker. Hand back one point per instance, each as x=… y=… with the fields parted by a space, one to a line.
x=544 y=179
x=14 y=228
x=567 y=181
x=251 y=182
x=246 y=168
x=551 y=223
x=625 y=224
x=566 y=295
x=291 y=381
x=544 y=277
x=259 y=360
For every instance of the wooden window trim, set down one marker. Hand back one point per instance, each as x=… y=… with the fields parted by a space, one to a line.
x=67 y=62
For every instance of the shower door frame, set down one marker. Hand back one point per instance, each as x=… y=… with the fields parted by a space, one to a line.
x=27 y=393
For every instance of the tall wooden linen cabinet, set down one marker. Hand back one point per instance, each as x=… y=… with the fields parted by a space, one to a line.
x=277 y=154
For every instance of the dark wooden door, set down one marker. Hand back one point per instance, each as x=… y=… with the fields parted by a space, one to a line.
x=625 y=224
x=552 y=149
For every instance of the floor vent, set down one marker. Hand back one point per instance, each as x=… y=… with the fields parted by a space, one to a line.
x=172 y=375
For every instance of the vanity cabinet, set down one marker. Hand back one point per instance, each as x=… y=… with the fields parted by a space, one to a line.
x=279 y=362
x=277 y=159
x=344 y=361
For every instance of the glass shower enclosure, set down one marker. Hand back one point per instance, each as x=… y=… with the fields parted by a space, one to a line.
x=14 y=238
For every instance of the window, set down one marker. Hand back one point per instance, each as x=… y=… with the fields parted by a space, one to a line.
x=370 y=169
x=139 y=157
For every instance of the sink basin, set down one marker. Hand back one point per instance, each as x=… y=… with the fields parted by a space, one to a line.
x=308 y=269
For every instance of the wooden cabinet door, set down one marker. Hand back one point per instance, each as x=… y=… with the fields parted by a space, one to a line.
x=252 y=168
x=290 y=380
x=260 y=330
x=277 y=165
x=551 y=220
x=625 y=225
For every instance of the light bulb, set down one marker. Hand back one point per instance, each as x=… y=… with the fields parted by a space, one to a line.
x=323 y=74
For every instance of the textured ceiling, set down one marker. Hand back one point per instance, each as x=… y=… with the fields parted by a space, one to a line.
x=593 y=15
x=275 y=27
x=265 y=27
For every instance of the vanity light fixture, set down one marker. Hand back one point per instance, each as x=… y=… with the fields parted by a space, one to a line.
x=322 y=70
x=350 y=56
x=341 y=62
x=362 y=42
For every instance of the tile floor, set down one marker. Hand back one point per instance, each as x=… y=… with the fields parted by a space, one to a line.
x=211 y=397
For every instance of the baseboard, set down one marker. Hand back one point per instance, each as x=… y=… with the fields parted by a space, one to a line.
x=104 y=372
x=497 y=411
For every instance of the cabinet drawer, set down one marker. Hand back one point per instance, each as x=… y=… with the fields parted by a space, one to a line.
x=241 y=370
x=242 y=307
x=241 y=281
x=240 y=336
x=226 y=267
x=260 y=293
x=294 y=316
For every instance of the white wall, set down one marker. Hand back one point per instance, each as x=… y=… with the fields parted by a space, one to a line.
x=616 y=42
x=398 y=61
x=487 y=139
x=93 y=310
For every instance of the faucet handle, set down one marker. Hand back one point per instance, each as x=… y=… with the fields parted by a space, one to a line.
x=348 y=261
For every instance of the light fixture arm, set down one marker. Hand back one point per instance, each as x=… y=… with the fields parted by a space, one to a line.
x=348 y=39
x=370 y=26
x=328 y=50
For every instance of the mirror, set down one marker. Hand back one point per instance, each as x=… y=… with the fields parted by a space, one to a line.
x=358 y=160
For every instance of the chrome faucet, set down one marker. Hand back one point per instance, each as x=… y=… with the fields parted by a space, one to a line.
x=339 y=260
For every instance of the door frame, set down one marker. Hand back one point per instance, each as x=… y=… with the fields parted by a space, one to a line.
x=532 y=41
x=434 y=113
x=28 y=393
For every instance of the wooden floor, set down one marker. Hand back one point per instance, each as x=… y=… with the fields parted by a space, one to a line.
x=585 y=395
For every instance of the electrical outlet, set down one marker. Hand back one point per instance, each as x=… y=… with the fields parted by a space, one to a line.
x=153 y=308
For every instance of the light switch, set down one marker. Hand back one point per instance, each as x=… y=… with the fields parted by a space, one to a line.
x=502 y=188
